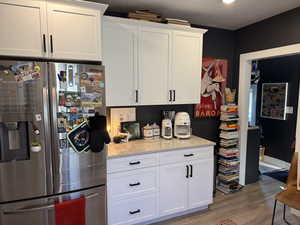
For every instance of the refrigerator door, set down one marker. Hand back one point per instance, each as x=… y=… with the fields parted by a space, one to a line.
x=24 y=130
x=42 y=211
x=77 y=92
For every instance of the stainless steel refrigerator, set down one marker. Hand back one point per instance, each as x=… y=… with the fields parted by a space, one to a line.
x=41 y=104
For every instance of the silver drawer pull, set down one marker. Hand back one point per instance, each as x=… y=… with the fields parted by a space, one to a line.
x=135 y=184
x=33 y=209
x=135 y=212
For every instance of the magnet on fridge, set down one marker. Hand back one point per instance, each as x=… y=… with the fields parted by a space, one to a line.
x=62 y=136
x=37 y=132
x=38 y=117
x=37 y=68
x=35 y=147
x=84 y=76
x=101 y=84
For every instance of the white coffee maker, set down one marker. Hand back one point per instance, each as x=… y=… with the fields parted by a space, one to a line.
x=182 y=125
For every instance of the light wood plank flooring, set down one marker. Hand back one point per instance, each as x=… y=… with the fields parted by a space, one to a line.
x=252 y=206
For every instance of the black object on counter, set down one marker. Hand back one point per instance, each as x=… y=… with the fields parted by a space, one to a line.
x=98 y=133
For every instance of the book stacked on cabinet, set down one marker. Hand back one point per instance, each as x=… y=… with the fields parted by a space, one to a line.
x=228 y=155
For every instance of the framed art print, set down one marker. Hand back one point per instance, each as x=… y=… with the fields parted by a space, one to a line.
x=274 y=100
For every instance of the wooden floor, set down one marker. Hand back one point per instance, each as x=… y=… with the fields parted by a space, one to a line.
x=252 y=206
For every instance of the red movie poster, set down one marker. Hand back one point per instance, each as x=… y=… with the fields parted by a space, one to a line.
x=213 y=83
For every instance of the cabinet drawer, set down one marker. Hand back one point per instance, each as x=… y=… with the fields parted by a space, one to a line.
x=132 y=163
x=132 y=211
x=185 y=155
x=128 y=184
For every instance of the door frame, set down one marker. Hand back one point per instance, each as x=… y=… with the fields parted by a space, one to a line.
x=243 y=98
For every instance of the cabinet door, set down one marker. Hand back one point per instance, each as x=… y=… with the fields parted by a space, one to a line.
x=74 y=32
x=200 y=187
x=23 y=26
x=120 y=60
x=173 y=187
x=186 y=67
x=154 y=65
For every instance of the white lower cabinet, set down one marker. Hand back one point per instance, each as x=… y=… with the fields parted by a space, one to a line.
x=133 y=211
x=132 y=183
x=200 y=183
x=172 y=189
x=169 y=183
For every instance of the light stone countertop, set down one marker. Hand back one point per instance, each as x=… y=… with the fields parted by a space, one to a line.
x=151 y=146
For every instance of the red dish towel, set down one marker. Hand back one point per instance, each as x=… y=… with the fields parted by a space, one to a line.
x=70 y=212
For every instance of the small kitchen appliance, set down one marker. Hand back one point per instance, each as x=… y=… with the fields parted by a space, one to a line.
x=182 y=125
x=167 y=130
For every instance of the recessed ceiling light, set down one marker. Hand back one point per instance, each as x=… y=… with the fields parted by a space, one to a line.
x=228 y=1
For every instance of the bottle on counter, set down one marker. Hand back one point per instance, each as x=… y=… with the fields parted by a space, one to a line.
x=148 y=132
x=156 y=131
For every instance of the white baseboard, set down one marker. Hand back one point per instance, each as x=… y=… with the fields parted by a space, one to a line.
x=203 y=208
x=276 y=162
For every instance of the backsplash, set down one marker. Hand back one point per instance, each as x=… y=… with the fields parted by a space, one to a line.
x=206 y=128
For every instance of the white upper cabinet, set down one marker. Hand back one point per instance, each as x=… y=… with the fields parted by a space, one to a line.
x=23 y=26
x=74 y=31
x=58 y=29
x=119 y=58
x=186 y=67
x=153 y=63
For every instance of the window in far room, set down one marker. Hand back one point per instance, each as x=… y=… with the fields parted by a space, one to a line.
x=252 y=105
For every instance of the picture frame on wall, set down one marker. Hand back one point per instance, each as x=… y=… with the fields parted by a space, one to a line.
x=274 y=101
x=214 y=75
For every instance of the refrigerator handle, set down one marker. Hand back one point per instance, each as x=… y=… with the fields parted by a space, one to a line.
x=33 y=209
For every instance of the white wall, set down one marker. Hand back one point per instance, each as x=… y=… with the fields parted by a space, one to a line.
x=298 y=140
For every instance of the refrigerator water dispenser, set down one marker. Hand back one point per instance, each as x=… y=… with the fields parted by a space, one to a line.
x=14 y=141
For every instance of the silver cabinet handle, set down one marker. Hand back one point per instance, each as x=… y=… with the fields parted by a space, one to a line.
x=33 y=209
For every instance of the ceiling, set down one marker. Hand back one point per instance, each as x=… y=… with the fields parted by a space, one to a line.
x=209 y=12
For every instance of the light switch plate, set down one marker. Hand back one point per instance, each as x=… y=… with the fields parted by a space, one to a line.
x=118 y=115
x=289 y=109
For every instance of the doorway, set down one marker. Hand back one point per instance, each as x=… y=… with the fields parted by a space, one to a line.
x=273 y=100
x=244 y=90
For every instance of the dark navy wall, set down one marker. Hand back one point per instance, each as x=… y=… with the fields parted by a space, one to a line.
x=274 y=32
x=279 y=135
